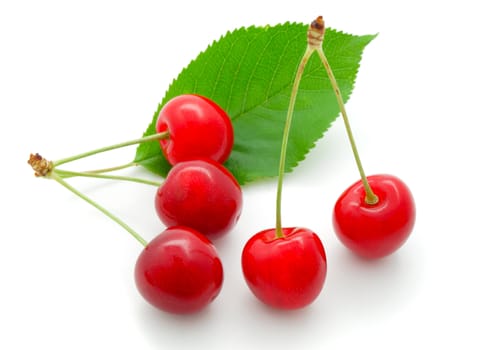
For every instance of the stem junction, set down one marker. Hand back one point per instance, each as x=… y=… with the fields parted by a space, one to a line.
x=48 y=169
x=315 y=35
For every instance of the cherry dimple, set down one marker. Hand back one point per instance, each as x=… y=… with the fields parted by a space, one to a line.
x=286 y=272
x=375 y=230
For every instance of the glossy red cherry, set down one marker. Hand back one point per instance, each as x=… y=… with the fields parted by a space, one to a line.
x=201 y=194
x=179 y=271
x=375 y=231
x=287 y=272
x=198 y=128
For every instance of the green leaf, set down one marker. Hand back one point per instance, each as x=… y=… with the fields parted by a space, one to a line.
x=249 y=72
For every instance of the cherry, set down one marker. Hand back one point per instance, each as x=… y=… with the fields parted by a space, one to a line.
x=374 y=216
x=375 y=230
x=287 y=272
x=286 y=268
x=201 y=194
x=179 y=271
x=197 y=127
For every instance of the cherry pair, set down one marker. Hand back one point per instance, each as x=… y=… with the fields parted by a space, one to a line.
x=286 y=267
x=179 y=271
x=199 y=192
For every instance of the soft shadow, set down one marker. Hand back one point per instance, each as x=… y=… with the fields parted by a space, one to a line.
x=263 y=327
x=230 y=323
x=362 y=289
x=172 y=330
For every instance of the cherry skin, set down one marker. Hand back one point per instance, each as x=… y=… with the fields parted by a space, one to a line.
x=201 y=194
x=179 y=271
x=197 y=127
x=288 y=272
x=375 y=231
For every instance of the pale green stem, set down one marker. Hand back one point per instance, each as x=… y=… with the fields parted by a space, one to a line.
x=114 y=168
x=66 y=174
x=154 y=137
x=371 y=197
x=284 y=145
x=58 y=179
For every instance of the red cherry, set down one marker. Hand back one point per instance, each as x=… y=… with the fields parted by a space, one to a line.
x=287 y=272
x=201 y=194
x=179 y=271
x=198 y=128
x=375 y=231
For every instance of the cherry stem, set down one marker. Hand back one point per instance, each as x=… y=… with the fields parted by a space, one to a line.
x=287 y=126
x=114 y=168
x=371 y=197
x=53 y=175
x=66 y=174
x=155 y=137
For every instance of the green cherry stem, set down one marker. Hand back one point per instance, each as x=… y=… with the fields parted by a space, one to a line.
x=114 y=168
x=66 y=174
x=371 y=197
x=155 y=137
x=104 y=170
x=287 y=126
x=53 y=175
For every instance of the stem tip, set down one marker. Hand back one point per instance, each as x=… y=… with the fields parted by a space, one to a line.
x=316 y=33
x=40 y=165
x=318 y=24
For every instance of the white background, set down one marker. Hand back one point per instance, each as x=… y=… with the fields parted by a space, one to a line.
x=80 y=75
